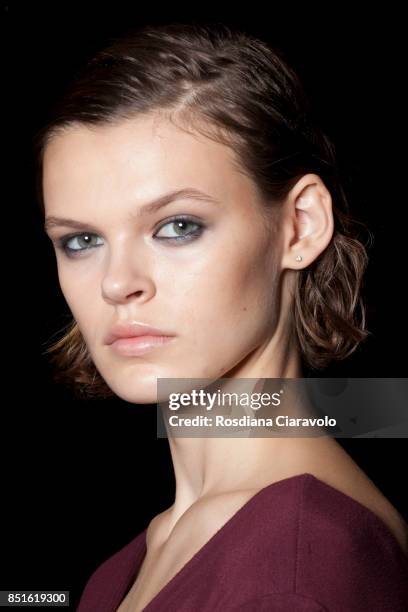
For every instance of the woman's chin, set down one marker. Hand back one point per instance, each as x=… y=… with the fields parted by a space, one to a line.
x=142 y=395
x=137 y=388
x=148 y=383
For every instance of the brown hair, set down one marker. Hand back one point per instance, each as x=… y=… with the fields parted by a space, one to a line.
x=218 y=76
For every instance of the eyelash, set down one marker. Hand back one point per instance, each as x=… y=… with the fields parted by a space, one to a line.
x=62 y=243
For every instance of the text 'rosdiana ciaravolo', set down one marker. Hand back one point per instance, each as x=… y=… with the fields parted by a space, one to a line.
x=201 y=400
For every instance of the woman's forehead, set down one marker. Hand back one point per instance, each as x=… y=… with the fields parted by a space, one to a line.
x=144 y=157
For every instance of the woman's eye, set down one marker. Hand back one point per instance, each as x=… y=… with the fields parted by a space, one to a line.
x=178 y=229
x=80 y=242
x=174 y=230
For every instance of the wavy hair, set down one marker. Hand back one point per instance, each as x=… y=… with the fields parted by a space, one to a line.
x=240 y=91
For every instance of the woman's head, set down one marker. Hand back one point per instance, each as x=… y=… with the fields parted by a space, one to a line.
x=217 y=113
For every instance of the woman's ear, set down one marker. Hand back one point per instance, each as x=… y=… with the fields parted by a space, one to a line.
x=307 y=222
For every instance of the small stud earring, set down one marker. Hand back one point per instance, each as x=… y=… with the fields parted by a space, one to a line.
x=299 y=258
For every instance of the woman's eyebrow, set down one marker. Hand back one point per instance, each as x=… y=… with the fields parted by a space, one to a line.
x=146 y=209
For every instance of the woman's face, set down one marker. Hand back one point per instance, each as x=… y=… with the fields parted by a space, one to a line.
x=215 y=291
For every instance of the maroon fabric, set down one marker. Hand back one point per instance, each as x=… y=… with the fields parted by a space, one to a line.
x=297 y=544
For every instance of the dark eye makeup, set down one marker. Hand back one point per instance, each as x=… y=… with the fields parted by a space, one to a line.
x=89 y=240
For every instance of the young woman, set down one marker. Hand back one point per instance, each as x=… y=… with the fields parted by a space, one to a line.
x=192 y=200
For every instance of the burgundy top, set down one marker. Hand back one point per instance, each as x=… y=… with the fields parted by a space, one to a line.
x=296 y=545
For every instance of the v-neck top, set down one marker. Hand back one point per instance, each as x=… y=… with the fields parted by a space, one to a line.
x=298 y=544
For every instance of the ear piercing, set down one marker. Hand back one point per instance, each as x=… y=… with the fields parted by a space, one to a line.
x=299 y=258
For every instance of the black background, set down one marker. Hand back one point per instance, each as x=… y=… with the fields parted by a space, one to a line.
x=81 y=479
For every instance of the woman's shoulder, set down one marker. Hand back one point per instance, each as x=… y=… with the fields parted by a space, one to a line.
x=346 y=552
x=305 y=503
x=312 y=542
x=351 y=512
x=321 y=549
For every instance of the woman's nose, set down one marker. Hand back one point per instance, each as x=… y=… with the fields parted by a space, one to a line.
x=125 y=280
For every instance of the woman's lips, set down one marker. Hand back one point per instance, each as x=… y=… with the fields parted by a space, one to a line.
x=138 y=345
